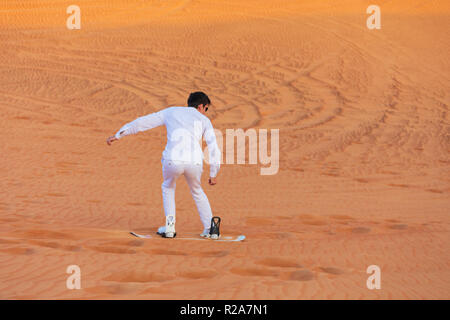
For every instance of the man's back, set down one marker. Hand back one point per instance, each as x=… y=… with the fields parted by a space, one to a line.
x=185 y=128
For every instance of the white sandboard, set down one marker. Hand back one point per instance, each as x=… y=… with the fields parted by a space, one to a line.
x=228 y=238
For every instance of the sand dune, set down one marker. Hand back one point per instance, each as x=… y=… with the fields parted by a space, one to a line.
x=364 y=148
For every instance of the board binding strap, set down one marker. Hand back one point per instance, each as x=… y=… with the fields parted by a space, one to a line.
x=214 y=231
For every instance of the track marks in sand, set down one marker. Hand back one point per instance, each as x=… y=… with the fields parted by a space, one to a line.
x=135 y=243
x=56 y=194
x=114 y=289
x=4 y=241
x=254 y=272
x=278 y=235
x=198 y=274
x=361 y=230
x=288 y=269
x=332 y=270
x=407 y=186
x=124 y=243
x=111 y=249
x=148 y=277
x=308 y=226
x=138 y=276
x=301 y=275
x=434 y=190
x=212 y=254
x=400 y=185
x=283 y=268
x=296 y=275
x=341 y=217
x=18 y=251
x=167 y=252
x=399 y=226
x=279 y=262
x=156 y=290
x=42 y=234
x=55 y=245
x=101 y=241
x=201 y=254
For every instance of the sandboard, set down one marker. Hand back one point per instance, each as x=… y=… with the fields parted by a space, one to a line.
x=222 y=238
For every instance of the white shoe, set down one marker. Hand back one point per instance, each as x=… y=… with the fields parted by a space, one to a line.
x=168 y=231
x=161 y=230
x=214 y=236
x=205 y=234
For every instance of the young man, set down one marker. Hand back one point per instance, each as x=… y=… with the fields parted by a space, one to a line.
x=183 y=154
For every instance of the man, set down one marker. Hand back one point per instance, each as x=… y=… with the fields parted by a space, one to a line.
x=183 y=155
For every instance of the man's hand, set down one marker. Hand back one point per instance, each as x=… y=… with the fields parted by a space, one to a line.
x=212 y=181
x=111 y=140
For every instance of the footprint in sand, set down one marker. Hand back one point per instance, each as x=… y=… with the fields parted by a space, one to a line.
x=93 y=201
x=138 y=276
x=156 y=290
x=165 y=252
x=212 y=254
x=44 y=234
x=132 y=243
x=135 y=243
x=332 y=270
x=399 y=185
x=55 y=245
x=434 y=190
x=279 y=263
x=4 y=241
x=200 y=274
x=56 y=194
x=6 y=220
x=278 y=235
x=312 y=220
x=301 y=275
x=108 y=249
x=360 y=230
x=18 y=251
x=255 y=272
x=399 y=226
x=341 y=217
x=110 y=289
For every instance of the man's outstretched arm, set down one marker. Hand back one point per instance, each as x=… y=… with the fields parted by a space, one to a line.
x=144 y=123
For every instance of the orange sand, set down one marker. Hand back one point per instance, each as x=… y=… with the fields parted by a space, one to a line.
x=364 y=148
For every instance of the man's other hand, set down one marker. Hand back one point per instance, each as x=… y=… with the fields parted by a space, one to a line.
x=212 y=181
x=111 y=140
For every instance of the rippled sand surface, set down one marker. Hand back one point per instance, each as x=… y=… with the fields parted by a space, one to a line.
x=364 y=149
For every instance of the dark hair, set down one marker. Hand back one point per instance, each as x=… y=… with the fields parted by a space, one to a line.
x=197 y=98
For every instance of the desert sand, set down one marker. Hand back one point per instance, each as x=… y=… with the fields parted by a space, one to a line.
x=364 y=148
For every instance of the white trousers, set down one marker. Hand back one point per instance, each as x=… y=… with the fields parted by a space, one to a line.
x=192 y=172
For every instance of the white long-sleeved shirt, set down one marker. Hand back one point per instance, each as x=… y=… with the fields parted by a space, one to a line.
x=185 y=129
